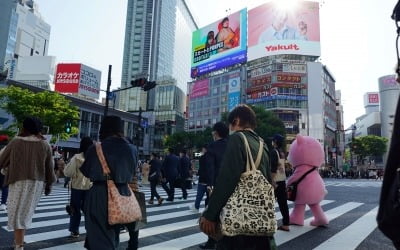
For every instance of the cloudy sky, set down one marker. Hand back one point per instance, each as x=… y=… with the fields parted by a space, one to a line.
x=357 y=38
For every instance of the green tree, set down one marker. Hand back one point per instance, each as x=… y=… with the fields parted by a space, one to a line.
x=370 y=145
x=188 y=140
x=268 y=124
x=52 y=108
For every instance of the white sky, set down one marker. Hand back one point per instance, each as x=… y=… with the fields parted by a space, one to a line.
x=357 y=38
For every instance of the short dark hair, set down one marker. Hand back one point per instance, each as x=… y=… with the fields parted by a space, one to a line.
x=246 y=116
x=155 y=155
x=111 y=125
x=183 y=151
x=221 y=129
x=171 y=150
x=33 y=125
x=86 y=142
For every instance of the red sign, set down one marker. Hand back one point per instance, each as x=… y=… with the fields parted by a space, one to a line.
x=265 y=87
x=373 y=98
x=200 y=88
x=67 y=78
x=260 y=80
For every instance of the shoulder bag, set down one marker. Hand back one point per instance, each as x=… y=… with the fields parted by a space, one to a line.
x=250 y=210
x=291 y=190
x=121 y=209
x=280 y=173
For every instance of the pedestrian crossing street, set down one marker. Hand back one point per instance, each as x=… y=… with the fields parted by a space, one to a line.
x=354 y=183
x=174 y=225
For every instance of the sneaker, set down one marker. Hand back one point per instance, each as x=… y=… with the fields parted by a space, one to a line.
x=74 y=235
x=3 y=207
x=160 y=201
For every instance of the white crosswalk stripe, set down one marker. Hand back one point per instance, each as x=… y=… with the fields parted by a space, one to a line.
x=169 y=223
x=353 y=183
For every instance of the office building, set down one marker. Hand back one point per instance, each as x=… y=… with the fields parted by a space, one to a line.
x=156 y=46
x=22 y=33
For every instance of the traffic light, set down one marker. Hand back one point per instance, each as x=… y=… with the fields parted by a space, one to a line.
x=68 y=127
x=139 y=82
x=149 y=85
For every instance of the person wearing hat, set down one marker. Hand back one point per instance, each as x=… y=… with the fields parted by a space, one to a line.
x=122 y=160
x=279 y=176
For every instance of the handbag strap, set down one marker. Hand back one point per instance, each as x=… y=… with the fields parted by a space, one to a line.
x=102 y=159
x=304 y=175
x=250 y=164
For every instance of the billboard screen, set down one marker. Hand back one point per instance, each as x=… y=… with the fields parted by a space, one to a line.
x=276 y=29
x=77 y=78
x=220 y=44
x=199 y=89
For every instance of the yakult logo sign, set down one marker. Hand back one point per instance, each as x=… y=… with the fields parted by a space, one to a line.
x=282 y=47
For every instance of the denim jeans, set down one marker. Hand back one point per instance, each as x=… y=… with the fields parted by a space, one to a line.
x=201 y=189
x=77 y=199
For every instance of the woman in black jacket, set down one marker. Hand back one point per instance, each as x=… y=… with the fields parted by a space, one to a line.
x=154 y=176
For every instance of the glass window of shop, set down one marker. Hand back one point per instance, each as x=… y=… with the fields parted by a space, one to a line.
x=85 y=121
x=94 y=126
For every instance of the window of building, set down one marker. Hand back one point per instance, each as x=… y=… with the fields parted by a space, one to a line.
x=215 y=91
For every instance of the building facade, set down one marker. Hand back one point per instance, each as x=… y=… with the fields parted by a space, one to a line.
x=156 y=47
x=212 y=96
x=23 y=32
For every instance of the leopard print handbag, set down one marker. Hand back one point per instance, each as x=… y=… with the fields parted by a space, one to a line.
x=121 y=209
x=250 y=210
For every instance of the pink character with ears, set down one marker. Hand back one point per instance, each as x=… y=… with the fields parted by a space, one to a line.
x=305 y=154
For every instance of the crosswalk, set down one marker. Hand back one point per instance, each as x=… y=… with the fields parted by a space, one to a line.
x=354 y=183
x=174 y=225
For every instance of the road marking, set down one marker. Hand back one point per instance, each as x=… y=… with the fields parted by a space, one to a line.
x=296 y=231
x=347 y=238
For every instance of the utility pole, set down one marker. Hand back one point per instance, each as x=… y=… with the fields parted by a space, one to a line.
x=108 y=90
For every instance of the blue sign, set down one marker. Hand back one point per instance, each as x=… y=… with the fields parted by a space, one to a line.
x=233 y=100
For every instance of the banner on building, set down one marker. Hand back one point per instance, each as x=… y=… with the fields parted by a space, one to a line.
x=276 y=29
x=220 y=44
x=200 y=88
x=233 y=93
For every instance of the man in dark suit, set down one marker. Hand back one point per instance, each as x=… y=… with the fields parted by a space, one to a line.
x=170 y=173
x=184 y=172
x=215 y=153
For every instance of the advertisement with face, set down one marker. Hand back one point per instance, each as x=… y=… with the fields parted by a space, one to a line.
x=220 y=44
x=284 y=29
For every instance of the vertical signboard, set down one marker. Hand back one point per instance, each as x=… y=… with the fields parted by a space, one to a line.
x=275 y=29
x=233 y=93
x=220 y=44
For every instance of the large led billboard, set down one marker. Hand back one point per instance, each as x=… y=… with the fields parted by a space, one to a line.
x=276 y=29
x=220 y=44
x=77 y=78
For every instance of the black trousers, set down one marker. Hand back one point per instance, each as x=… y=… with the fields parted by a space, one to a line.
x=169 y=189
x=280 y=194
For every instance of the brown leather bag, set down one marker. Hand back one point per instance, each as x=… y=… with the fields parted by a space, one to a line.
x=121 y=209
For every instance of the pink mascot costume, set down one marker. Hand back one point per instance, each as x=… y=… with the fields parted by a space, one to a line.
x=306 y=153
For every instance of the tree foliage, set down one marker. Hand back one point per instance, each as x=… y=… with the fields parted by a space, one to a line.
x=188 y=140
x=52 y=108
x=370 y=145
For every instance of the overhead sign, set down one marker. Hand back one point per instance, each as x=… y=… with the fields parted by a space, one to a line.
x=274 y=29
x=200 y=88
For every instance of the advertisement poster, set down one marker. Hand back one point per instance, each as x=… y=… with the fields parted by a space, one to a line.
x=77 y=78
x=200 y=88
x=220 y=44
x=234 y=93
x=275 y=29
